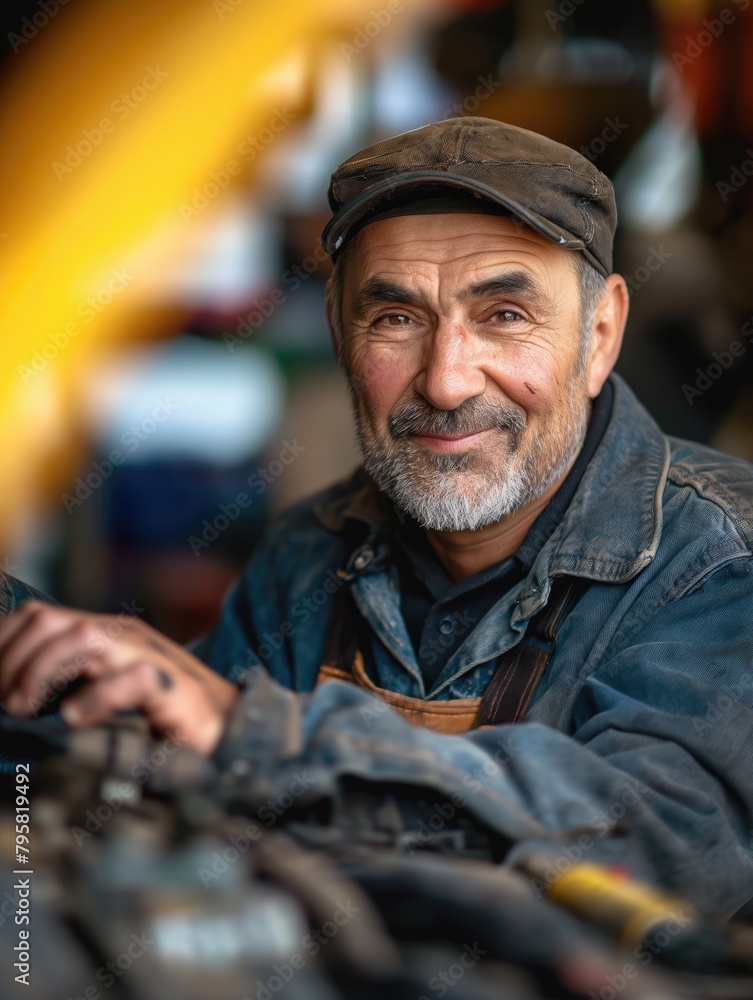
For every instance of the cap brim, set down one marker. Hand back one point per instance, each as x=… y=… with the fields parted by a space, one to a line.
x=348 y=220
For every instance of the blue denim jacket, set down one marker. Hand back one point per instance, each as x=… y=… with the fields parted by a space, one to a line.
x=13 y=593
x=641 y=732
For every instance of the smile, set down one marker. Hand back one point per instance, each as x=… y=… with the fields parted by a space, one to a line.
x=448 y=443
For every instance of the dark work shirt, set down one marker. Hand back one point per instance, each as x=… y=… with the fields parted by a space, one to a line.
x=437 y=612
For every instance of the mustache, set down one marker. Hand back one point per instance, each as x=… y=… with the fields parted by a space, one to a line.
x=473 y=415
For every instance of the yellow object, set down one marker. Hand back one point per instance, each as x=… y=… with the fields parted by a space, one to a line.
x=628 y=909
x=114 y=114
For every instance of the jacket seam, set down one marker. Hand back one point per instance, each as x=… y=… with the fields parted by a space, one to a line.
x=713 y=492
x=725 y=553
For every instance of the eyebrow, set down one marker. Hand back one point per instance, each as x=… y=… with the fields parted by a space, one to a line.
x=378 y=291
x=512 y=283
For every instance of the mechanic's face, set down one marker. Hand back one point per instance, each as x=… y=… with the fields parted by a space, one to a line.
x=461 y=340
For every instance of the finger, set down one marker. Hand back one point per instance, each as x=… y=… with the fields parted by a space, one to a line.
x=173 y=653
x=91 y=645
x=10 y=624
x=113 y=692
x=173 y=702
x=25 y=632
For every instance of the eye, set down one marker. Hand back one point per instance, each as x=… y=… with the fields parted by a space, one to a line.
x=506 y=315
x=393 y=319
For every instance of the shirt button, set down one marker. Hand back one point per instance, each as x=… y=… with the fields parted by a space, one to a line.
x=445 y=626
x=363 y=558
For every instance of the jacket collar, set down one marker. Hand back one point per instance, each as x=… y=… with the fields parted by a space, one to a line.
x=612 y=527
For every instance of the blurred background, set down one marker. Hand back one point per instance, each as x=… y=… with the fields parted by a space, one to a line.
x=167 y=378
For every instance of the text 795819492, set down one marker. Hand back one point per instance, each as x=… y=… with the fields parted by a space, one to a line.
x=22 y=886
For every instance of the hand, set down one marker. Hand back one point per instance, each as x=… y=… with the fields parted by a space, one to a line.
x=124 y=664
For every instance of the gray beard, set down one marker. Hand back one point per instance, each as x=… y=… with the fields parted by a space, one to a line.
x=469 y=491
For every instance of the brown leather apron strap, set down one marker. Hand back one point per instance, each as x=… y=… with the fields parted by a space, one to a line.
x=509 y=692
x=521 y=668
x=341 y=643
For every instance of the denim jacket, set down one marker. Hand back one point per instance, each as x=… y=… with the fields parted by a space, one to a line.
x=13 y=593
x=638 y=746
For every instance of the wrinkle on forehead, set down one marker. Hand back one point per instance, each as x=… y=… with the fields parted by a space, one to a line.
x=455 y=251
x=433 y=230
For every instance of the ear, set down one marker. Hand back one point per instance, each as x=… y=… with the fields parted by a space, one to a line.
x=331 y=309
x=606 y=333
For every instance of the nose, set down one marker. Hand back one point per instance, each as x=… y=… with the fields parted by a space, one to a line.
x=451 y=370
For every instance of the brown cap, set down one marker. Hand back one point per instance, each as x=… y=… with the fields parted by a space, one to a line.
x=550 y=187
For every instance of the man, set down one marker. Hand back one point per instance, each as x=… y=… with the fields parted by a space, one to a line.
x=522 y=542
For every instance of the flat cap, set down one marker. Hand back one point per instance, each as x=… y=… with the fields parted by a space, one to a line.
x=548 y=186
